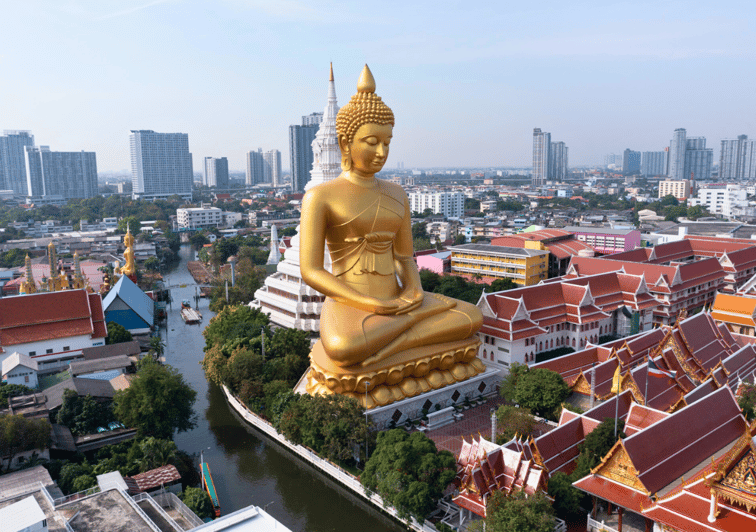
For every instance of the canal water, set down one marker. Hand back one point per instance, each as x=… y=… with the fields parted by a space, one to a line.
x=247 y=467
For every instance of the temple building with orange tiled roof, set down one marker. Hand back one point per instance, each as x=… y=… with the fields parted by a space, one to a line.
x=737 y=312
x=521 y=323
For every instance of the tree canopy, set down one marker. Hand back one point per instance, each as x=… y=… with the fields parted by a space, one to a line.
x=157 y=403
x=409 y=472
x=198 y=501
x=540 y=390
x=595 y=446
x=518 y=513
x=82 y=414
x=117 y=334
x=513 y=421
x=19 y=434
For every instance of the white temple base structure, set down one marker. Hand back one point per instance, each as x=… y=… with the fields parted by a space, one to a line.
x=411 y=409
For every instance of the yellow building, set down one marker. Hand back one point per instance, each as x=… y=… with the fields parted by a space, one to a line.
x=524 y=266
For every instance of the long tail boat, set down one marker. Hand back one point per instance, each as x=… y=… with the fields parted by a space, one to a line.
x=207 y=483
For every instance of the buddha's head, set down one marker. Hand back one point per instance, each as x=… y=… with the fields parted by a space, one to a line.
x=364 y=128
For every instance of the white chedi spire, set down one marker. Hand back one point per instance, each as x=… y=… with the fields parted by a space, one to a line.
x=275 y=253
x=326 y=160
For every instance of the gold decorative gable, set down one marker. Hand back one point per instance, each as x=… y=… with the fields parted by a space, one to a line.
x=582 y=385
x=739 y=484
x=618 y=467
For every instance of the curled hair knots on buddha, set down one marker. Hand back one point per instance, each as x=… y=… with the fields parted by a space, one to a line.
x=365 y=107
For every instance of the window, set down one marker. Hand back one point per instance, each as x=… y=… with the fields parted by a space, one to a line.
x=26 y=379
x=32 y=353
x=67 y=348
x=49 y=351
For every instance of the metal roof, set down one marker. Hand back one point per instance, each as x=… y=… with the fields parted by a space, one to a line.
x=133 y=296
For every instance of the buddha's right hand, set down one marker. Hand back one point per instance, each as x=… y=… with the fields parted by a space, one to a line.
x=378 y=306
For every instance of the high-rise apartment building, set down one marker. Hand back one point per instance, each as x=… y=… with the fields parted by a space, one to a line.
x=161 y=165
x=313 y=119
x=558 y=161
x=272 y=167
x=449 y=204
x=631 y=162
x=737 y=158
x=698 y=159
x=654 y=163
x=300 y=149
x=677 y=148
x=688 y=157
x=255 y=167
x=13 y=160
x=216 y=172
x=63 y=175
x=541 y=157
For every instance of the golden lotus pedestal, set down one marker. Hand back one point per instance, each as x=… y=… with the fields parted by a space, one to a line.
x=400 y=376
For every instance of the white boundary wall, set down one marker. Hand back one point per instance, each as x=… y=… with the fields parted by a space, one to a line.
x=325 y=466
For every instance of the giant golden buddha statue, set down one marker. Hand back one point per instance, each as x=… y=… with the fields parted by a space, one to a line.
x=382 y=338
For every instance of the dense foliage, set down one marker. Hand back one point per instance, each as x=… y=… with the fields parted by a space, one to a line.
x=12 y=390
x=747 y=401
x=596 y=445
x=540 y=390
x=19 y=434
x=513 y=421
x=198 y=501
x=518 y=513
x=409 y=472
x=157 y=403
x=129 y=458
x=82 y=414
x=333 y=426
x=117 y=334
x=234 y=356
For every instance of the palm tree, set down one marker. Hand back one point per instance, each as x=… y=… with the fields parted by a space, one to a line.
x=156 y=453
x=157 y=347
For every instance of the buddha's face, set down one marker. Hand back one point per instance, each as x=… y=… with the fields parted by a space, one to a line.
x=369 y=149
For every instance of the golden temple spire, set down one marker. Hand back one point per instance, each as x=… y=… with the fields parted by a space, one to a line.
x=28 y=286
x=366 y=83
x=78 y=280
x=331 y=78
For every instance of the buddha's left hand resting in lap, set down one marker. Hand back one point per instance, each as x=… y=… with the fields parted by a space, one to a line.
x=375 y=306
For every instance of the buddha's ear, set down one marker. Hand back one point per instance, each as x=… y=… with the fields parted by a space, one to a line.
x=346 y=158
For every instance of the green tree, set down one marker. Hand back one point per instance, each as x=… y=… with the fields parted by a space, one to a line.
x=331 y=425
x=409 y=472
x=419 y=230
x=12 y=390
x=82 y=414
x=518 y=512
x=152 y=264
x=237 y=322
x=508 y=384
x=199 y=240
x=198 y=501
x=513 y=421
x=157 y=347
x=595 y=446
x=117 y=334
x=566 y=497
x=459 y=240
x=157 y=403
x=73 y=476
x=747 y=401
x=542 y=391
x=502 y=284
x=668 y=200
x=156 y=453
x=131 y=223
x=19 y=434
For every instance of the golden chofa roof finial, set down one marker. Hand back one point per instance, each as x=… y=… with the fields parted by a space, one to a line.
x=366 y=83
x=331 y=77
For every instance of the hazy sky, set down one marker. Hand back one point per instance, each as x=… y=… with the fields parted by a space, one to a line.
x=468 y=81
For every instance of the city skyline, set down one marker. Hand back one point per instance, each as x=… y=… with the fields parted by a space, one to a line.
x=467 y=85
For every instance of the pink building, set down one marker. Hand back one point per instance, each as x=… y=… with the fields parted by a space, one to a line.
x=439 y=263
x=606 y=240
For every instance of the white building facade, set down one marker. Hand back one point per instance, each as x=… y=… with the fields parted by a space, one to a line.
x=69 y=175
x=721 y=200
x=737 y=158
x=449 y=204
x=199 y=217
